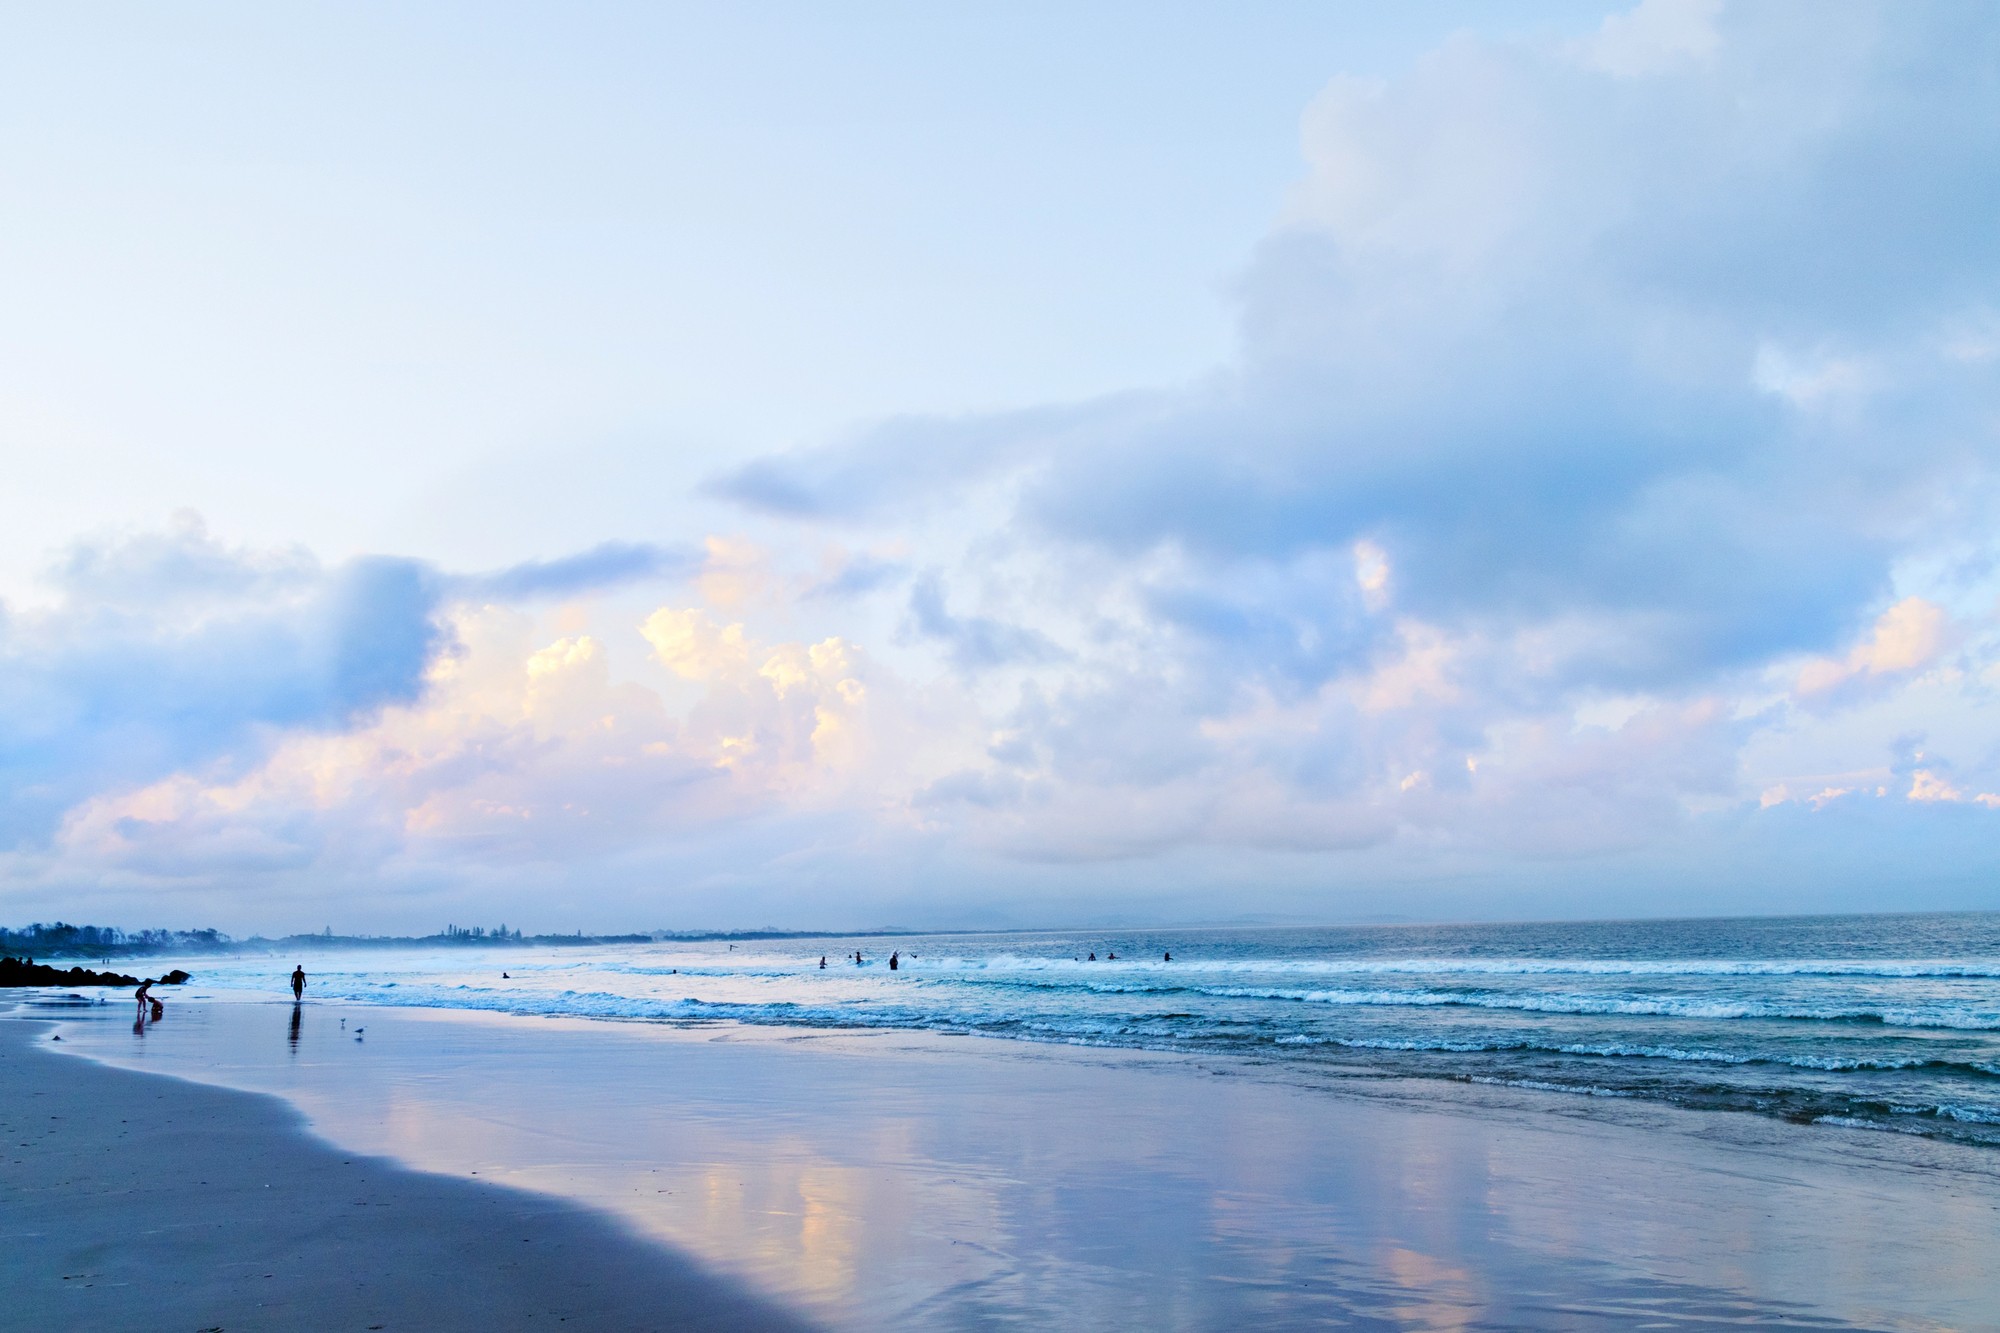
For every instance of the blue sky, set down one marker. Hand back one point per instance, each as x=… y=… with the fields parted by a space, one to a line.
x=770 y=464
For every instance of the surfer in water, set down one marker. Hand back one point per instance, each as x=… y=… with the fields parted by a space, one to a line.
x=892 y=961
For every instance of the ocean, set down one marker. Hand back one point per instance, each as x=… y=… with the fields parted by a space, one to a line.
x=1878 y=1022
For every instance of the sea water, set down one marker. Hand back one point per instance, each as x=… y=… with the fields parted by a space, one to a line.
x=1879 y=1022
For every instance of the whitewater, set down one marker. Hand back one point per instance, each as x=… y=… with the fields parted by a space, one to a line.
x=1880 y=1022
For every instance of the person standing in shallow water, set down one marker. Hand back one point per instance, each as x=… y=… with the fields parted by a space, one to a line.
x=298 y=983
x=892 y=961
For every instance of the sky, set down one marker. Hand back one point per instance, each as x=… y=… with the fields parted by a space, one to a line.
x=706 y=466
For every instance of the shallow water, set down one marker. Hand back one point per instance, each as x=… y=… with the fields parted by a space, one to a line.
x=910 y=1180
x=1882 y=1022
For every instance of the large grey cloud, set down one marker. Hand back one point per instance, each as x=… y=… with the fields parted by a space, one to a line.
x=1651 y=338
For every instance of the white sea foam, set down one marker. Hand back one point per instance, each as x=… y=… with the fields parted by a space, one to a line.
x=1570 y=1002
x=1001 y=964
x=1969 y=1115
x=1543 y=1085
x=1635 y=1051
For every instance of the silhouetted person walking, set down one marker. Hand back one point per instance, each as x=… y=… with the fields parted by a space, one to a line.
x=298 y=983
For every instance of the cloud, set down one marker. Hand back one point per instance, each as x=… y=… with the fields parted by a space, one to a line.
x=609 y=565
x=1908 y=637
x=1606 y=476
x=975 y=643
x=1633 y=368
x=1519 y=333
x=906 y=460
x=184 y=566
x=170 y=652
x=1654 y=37
x=856 y=576
x=520 y=750
x=786 y=717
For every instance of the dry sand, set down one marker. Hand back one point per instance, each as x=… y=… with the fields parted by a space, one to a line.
x=134 y=1202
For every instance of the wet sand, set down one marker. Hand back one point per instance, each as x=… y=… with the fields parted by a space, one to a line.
x=910 y=1181
x=132 y=1202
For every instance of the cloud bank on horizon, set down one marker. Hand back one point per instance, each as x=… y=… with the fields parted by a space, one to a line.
x=1599 y=514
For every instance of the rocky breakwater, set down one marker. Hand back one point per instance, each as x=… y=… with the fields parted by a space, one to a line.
x=28 y=972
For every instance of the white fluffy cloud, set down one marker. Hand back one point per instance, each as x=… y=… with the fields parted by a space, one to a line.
x=521 y=749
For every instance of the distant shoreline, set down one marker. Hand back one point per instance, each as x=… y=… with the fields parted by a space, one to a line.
x=255 y=945
x=51 y=941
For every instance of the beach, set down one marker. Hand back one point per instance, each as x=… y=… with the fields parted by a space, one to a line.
x=133 y=1202
x=981 y=668
x=911 y=1180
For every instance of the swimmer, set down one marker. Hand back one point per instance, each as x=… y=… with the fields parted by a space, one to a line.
x=822 y=962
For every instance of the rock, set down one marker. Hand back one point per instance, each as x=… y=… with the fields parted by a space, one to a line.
x=175 y=978
x=27 y=972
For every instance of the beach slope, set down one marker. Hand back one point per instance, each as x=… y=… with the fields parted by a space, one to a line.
x=129 y=1201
